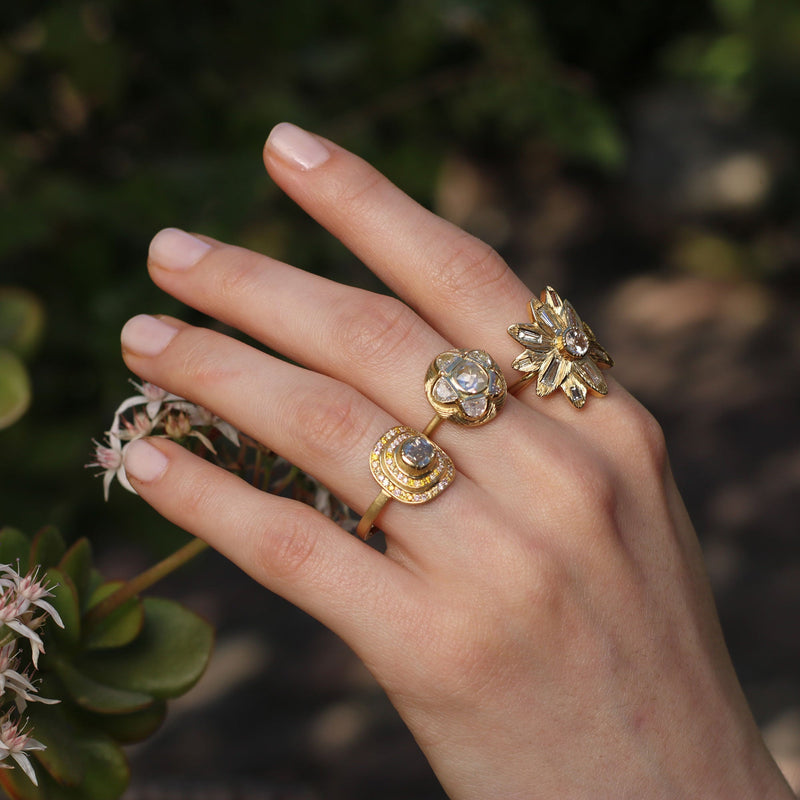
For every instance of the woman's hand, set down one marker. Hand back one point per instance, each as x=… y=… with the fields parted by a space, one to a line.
x=544 y=626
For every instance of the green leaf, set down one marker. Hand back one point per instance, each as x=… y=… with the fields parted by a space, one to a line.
x=65 y=601
x=97 y=697
x=48 y=547
x=133 y=727
x=165 y=660
x=121 y=626
x=15 y=388
x=15 y=546
x=80 y=763
x=77 y=563
x=21 y=321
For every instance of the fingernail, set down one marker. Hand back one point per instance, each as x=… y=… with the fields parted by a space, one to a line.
x=144 y=462
x=297 y=146
x=146 y=336
x=174 y=249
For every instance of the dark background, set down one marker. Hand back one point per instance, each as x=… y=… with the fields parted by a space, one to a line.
x=641 y=156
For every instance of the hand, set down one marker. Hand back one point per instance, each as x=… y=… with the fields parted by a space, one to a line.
x=544 y=626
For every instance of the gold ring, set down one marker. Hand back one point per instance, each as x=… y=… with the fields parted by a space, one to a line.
x=408 y=467
x=561 y=348
x=465 y=386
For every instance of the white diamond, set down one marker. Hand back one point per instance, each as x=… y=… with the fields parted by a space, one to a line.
x=445 y=360
x=475 y=407
x=576 y=342
x=444 y=392
x=528 y=337
x=471 y=377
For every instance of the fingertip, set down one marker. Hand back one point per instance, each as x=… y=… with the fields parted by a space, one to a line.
x=144 y=462
x=295 y=147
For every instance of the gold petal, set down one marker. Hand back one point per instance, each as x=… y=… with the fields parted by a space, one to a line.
x=529 y=334
x=552 y=373
x=574 y=390
x=599 y=355
x=571 y=316
x=553 y=299
x=548 y=321
x=528 y=361
x=588 y=372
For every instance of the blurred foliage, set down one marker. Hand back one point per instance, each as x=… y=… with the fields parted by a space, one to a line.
x=112 y=672
x=119 y=118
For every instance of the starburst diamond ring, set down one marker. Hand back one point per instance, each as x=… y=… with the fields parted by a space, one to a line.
x=561 y=348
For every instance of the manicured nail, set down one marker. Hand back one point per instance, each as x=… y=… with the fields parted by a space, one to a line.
x=174 y=249
x=297 y=146
x=146 y=336
x=144 y=462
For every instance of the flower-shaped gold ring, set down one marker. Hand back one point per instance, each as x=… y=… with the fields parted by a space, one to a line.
x=561 y=348
x=407 y=466
x=465 y=386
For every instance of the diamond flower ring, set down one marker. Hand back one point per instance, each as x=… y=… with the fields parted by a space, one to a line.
x=408 y=467
x=561 y=348
x=465 y=386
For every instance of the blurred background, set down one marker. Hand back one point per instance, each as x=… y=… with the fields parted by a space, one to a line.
x=641 y=156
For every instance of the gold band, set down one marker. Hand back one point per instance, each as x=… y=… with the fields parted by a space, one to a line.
x=364 y=528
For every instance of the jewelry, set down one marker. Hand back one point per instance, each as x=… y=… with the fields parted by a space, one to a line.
x=561 y=348
x=408 y=467
x=465 y=386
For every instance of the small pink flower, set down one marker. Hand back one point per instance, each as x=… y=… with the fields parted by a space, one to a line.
x=152 y=397
x=16 y=743
x=109 y=458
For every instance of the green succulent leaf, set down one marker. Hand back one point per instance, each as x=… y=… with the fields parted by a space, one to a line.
x=65 y=601
x=48 y=547
x=133 y=727
x=165 y=660
x=15 y=547
x=15 y=388
x=97 y=697
x=118 y=628
x=77 y=563
x=78 y=764
x=21 y=321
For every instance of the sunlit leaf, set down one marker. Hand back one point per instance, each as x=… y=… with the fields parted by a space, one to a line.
x=15 y=388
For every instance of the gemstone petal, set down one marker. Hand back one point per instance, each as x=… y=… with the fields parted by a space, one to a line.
x=444 y=392
x=474 y=407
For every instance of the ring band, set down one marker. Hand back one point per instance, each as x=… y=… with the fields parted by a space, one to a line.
x=465 y=386
x=561 y=348
x=408 y=467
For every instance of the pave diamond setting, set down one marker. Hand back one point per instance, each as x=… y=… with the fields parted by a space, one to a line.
x=466 y=386
x=409 y=467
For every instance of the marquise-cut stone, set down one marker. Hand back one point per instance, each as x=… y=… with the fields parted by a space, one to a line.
x=417 y=452
x=475 y=407
x=470 y=377
x=444 y=392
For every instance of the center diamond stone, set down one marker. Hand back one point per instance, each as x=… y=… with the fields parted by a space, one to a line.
x=417 y=452
x=471 y=377
x=576 y=342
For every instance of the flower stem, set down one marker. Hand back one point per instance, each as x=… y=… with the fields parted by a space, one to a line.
x=143 y=580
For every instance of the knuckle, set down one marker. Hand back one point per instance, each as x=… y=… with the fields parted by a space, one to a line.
x=471 y=268
x=355 y=197
x=388 y=329
x=644 y=439
x=238 y=277
x=202 y=361
x=286 y=549
x=333 y=426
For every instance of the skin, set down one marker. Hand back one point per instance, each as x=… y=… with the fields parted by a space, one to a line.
x=544 y=627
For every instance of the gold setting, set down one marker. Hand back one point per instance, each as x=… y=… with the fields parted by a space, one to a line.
x=465 y=386
x=408 y=467
x=561 y=349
